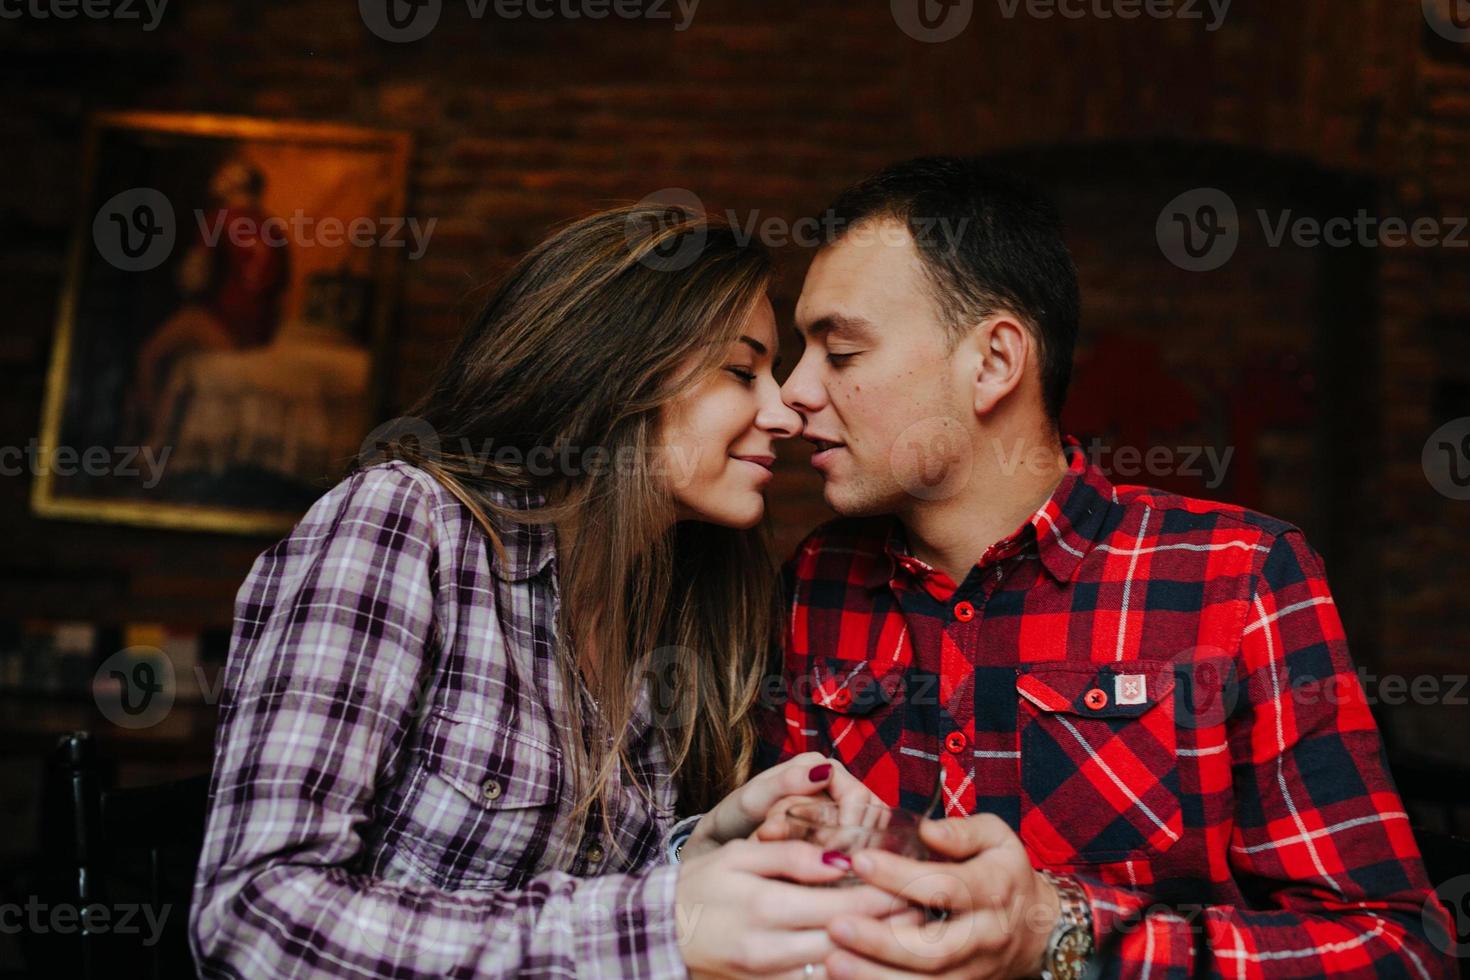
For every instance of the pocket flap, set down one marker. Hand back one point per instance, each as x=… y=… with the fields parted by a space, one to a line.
x=854 y=687
x=1119 y=690
x=493 y=766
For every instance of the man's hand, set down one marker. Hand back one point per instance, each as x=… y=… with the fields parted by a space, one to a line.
x=1000 y=911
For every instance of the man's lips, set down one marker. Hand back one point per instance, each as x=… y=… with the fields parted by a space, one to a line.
x=822 y=445
x=823 y=450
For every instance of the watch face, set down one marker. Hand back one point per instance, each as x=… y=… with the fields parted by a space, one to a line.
x=1072 y=949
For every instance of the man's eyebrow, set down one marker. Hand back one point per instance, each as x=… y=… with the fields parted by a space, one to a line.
x=839 y=323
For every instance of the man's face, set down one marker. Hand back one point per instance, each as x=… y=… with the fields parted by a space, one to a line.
x=886 y=404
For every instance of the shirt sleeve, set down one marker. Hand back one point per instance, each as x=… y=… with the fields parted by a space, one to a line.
x=335 y=628
x=1320 y=842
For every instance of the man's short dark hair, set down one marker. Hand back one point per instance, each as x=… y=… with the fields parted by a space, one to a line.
x=989 y=241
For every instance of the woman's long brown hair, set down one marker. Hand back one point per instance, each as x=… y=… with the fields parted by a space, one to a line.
x=583 y=344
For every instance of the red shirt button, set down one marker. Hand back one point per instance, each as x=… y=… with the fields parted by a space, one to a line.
x=964 y=612
x=955 y=742
x=840 y=698
x=1095 y=699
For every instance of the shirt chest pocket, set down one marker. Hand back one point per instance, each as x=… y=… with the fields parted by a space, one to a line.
x=485 y=805
x=856 y=700
x=1099 y=763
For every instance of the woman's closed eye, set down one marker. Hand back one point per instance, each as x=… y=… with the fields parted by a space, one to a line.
x=746 y=375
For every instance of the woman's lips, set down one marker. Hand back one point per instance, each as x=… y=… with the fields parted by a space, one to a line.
x=760 y=465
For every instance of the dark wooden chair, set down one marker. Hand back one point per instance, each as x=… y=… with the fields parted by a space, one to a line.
x=130 y=852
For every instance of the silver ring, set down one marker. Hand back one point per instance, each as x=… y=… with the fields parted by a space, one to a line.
x=809 y=971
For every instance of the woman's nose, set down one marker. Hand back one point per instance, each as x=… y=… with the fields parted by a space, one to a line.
x=777 y=419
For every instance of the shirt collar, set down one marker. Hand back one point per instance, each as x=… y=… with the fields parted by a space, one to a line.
x=1064 y=528
x=529 y=548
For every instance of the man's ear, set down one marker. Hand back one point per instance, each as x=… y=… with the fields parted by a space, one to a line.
x=1002 y=349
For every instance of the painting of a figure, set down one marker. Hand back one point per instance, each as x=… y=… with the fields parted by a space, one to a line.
x=218 y=346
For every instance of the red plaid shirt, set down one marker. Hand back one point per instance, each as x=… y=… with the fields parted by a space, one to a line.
x=1156 y=694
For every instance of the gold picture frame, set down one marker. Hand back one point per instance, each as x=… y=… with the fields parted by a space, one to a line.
x=223 y=321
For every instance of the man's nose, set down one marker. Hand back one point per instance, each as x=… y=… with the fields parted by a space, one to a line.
x=803 y=392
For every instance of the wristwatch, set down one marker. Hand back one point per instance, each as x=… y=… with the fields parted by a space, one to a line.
x=1070 y=946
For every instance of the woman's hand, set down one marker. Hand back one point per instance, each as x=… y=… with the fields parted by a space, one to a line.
x=745 y=909
x=760 y=805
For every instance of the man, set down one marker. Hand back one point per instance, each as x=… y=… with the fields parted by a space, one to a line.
x=1142 y=705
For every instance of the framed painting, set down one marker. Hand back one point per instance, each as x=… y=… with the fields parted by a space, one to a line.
x=220 y=337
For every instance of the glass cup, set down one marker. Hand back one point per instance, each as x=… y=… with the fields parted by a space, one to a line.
x=849 y=829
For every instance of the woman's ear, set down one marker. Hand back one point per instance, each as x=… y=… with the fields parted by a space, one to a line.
x=1002 y=348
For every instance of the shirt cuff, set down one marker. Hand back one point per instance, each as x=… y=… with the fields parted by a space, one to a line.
x=1123 y=931
x=677 y=835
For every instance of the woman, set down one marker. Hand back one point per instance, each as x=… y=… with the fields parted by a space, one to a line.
x=468 y=694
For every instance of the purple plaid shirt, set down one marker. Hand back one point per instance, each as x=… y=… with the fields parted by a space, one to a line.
x=389 y=796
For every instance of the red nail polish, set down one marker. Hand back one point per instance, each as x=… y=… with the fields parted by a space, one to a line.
x=820 y=773
x=837 y=860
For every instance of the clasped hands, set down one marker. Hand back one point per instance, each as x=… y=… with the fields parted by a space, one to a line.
x=747 y=906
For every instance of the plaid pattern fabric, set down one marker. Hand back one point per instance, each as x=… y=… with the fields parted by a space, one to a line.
x=389 y=797
x=1156 y=694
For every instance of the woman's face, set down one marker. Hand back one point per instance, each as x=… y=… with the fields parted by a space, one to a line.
x=720 y=437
